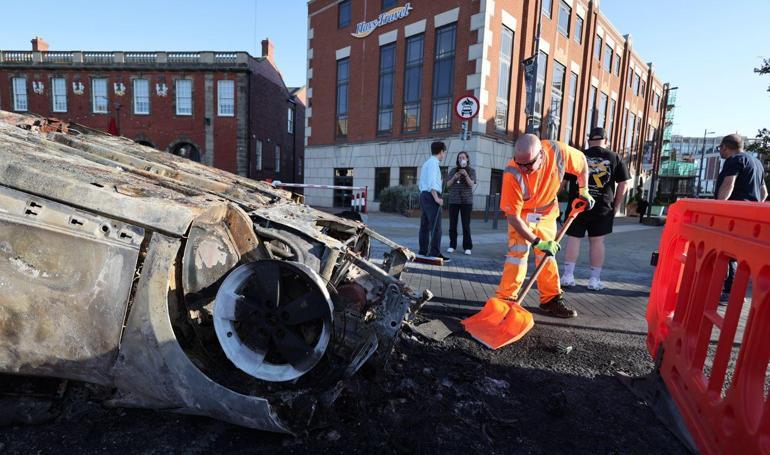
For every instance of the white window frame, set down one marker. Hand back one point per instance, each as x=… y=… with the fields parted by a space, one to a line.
x=138 y=95
x=290 y=119
x=94 y=105
x=258 y=156
x=277 y=159
x=59 y=93
x=179 y=96
x=225 y=103
x=19 y=85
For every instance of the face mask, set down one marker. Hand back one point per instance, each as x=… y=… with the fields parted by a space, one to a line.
x=463 y=163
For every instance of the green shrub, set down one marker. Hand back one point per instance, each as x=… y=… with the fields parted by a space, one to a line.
x=396 y=199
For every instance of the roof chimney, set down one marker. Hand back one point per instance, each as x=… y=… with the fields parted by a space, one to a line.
x=39 y=44
x=267 y=50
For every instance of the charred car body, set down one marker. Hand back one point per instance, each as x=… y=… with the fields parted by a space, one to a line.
x=184 y=287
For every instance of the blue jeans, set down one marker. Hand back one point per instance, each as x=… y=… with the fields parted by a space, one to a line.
x=430 y=225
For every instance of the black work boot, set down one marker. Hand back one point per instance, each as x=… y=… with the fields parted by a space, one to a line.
x=555 y=307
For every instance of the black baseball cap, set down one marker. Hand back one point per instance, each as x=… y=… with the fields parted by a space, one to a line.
x=597 y=133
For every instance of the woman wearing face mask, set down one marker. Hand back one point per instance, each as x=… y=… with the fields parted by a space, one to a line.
x=460 y=181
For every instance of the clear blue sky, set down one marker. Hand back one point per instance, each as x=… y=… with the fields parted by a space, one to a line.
x=706 y=48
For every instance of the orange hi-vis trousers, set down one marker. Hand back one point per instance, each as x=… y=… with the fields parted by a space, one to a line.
x=515 y=268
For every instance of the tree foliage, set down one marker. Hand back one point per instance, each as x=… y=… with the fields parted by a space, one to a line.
x=764 y=68
x=762 y=148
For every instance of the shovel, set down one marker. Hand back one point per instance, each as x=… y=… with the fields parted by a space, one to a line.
x=501 y=321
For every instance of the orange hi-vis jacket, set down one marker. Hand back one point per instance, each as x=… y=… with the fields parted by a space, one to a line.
x=536 y=191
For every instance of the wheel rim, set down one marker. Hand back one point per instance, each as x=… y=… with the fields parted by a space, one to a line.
x=273 y=319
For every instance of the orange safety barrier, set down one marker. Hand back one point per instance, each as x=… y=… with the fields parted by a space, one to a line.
x=693 y=337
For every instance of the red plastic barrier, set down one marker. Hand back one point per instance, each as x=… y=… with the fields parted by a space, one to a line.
x=723 y=414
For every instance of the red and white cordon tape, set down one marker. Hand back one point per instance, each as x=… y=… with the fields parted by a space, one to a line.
x=357 y=203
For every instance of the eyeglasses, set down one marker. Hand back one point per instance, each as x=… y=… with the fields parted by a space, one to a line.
x=531 y=164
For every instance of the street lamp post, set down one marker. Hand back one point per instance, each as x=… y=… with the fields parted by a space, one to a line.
x=702 y=155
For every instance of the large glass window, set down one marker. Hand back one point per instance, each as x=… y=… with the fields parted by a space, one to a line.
x=579 y=29
x=557 y=95
x=20 y=102
x=504 y=79
x=542 y=67
x=290 y=119
x=413 y=82
x=226 y=98
x=343 y=177
x=598 y=48
x=602 y=109
x=573 y=80
x=141 y=96
x=565 y=12
x=99 y=95
x=547 y=7
x=343 y=67
x=590 y=110
x=381 y=181
x=183 y=97
x=443 y=77
x=343 y=13
x=407 y=176
x=59 y=94
x=387 y=73
x=617 y=64
x=608 y=53
x=611 y=119
x=636 y=84
x=630 y=132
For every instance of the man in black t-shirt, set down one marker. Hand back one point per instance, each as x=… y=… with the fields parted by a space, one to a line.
x=741 y=179
x=606 y=170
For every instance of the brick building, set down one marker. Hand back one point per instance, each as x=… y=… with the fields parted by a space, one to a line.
x=383 y=76
x=225 y=109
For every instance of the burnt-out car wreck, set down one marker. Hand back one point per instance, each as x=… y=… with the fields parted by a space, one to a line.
x=180 y=286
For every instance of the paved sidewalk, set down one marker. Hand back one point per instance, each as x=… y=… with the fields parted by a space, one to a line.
x=463 y=285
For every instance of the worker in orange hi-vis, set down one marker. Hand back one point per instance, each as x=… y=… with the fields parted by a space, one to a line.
x=530 y=185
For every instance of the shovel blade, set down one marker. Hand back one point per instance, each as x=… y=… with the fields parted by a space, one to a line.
x=495 y=326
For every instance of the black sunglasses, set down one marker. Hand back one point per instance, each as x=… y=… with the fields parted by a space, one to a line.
x=531 y=163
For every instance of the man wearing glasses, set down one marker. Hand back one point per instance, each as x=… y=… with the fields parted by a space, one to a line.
x=530 y=184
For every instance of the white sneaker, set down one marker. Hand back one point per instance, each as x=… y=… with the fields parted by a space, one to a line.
x=568 y=281
x=450 y=250
x=595 y=284
x=468 y=252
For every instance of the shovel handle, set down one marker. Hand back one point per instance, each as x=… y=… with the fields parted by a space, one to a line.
x=578 y=205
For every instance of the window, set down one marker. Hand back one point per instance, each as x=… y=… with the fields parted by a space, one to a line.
x=630 y=131
x=590 y=109
x=141 y=96
x=343 y=67
x=542 y=62
x=99 y=95
x=608 y=53
x=290 y=119
x=557 y=96
x=602 y=109
x=547 y=7
x=656 y=102
x=343 y=14
x=573 y=80
x=565 y=11
x=20 y=94
x=623 y=132
x=496 y=181
x=343 y=177
x=504 y=79
x=643 y=86
x=636 y=84
x=59 y=94
x=630 y=77
x=617 y=64
x=258 y=155
x=443 y=77
x=407 y=176
x=225 y=98
x=598 y=48
x=183 y=97
x=388 y=4
x=412 y=82
x=579 y=29
x=277 y=159
x=611 y=119
x=387 y=77
x=381 y=181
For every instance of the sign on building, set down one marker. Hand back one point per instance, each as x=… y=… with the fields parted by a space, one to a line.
x=364 y=29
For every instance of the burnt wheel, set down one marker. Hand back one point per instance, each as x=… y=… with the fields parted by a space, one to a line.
x=273 y=319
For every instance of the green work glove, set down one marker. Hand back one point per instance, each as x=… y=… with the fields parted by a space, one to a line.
x=549 y=247
x=586 y=196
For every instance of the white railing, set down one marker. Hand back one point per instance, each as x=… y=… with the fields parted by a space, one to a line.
x=98 y=57
x=57 y=57
x=140 y=57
